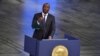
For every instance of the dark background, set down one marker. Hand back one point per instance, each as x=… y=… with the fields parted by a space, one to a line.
x=78 y=18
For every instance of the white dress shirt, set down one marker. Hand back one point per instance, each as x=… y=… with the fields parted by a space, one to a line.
x=43 y=15
x=46 y=15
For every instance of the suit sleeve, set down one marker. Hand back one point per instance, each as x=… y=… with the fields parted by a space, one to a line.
x=53 y=27
x=35 y=25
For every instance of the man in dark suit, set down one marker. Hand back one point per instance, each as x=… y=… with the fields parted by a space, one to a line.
x=44 y=24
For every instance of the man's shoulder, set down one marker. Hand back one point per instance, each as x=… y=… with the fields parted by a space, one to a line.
x=51 y=15
x=37 y=13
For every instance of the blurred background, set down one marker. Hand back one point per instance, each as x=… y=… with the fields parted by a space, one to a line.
x=78 y=18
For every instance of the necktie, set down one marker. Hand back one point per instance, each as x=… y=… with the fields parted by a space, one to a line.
x=44 y=17
x=44 y=28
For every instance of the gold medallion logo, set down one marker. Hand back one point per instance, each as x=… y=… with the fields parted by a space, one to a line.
x=60 y=50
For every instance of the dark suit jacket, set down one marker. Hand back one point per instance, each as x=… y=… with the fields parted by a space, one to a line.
x=49 y=28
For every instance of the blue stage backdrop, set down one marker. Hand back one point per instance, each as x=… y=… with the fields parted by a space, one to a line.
x=30 y=8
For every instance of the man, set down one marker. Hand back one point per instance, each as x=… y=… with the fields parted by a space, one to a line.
x=44 y=24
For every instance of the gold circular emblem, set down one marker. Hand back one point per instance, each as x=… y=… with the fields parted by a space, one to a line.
x=60 y=50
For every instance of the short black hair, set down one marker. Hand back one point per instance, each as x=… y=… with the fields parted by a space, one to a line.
x=46 y=4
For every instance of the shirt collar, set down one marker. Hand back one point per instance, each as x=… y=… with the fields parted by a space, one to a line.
x=46 y=14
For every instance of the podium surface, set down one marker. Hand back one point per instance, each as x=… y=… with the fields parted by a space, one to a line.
x=45 y=47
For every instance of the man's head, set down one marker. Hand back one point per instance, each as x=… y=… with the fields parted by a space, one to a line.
x=45 y=8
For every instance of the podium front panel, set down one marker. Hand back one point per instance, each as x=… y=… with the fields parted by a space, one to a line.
x=46 y=47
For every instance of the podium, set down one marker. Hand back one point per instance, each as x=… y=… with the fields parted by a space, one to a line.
x=45 y=47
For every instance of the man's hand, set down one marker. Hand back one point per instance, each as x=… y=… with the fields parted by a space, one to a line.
x=40 y=19
x=50 y=37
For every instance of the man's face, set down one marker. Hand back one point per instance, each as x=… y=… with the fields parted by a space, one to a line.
x=46 y=8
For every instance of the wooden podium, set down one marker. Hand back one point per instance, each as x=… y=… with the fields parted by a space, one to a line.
x=45 y=47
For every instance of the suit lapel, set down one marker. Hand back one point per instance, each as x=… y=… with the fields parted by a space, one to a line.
x=48 y=19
